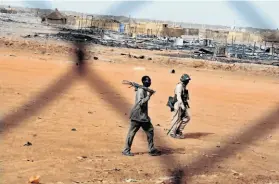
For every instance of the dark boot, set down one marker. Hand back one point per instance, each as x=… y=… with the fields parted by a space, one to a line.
x=127 y=153
x=155 y=152
x=177 y=136
x=180 y=134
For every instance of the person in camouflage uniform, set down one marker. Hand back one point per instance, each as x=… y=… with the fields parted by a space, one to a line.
x=180 y=115
x=139 y=118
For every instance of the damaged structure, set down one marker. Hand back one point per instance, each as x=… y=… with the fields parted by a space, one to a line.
x=220 y=44
x=54 y=18
x=8 y=10
x=168 y=31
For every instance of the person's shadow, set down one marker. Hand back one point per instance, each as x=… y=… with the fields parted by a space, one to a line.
x=196 y=135
x=168 y=151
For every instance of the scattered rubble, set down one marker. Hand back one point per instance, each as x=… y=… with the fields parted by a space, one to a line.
x=172 y=71
x=236 y=173
x=27 y=23
x=166 y=179
x=115 y=169
x=34 y=180
x=131 y=180
x=81 y=157
x=140 y=57
x=28 y=144
x=204 y=51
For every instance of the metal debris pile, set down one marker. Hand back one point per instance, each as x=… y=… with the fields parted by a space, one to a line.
x=28 y=26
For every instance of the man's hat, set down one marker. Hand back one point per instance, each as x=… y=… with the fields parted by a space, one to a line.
x=185 y=78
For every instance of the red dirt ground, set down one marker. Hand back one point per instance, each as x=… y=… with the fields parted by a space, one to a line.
x=224 y=105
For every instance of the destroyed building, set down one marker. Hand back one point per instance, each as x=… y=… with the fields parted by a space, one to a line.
x=271 y=36
x=144 y=28
x=132 y=27
x=105 y=23
x=172 y=31
x=216 y=35
x=243 y=37
x=154 y=28
x=8 y=10
x=271 y=41
x=191 y=34
x=54 y=18
x=109 y=24
x=136 y=28
x=71 y=20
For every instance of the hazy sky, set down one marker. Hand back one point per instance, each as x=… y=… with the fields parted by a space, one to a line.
x=261 y=14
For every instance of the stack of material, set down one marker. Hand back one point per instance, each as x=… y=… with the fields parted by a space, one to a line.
x=220 y=51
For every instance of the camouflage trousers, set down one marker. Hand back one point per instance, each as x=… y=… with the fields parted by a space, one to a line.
x=180 y=118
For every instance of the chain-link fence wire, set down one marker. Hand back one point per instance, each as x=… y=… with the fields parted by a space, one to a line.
x=61 y=84
x=249 y=12
x=79 y=70
x=181 y=174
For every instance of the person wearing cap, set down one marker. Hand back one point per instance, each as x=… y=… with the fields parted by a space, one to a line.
x=180 y=116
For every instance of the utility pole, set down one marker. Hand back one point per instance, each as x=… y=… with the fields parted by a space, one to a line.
x=91 y=21
x=272 y=50
x=249 y=39
x=254 y=48
x=86 y=21
x=81 y=24
x=129 y=24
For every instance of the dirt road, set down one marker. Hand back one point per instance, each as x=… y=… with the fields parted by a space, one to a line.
x=224 y=105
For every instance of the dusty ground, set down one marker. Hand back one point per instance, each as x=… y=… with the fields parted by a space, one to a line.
x=221 y=145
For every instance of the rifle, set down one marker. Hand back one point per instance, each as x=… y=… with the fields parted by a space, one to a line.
x=136 y=86
x=171 y=128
